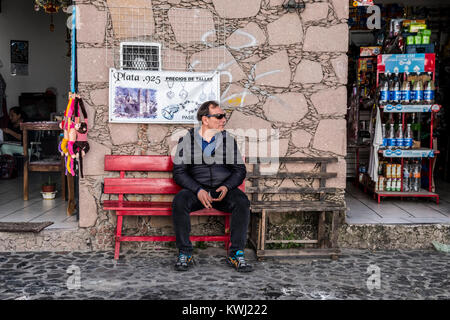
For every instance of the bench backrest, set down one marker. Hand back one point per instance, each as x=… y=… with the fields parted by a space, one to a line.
x=151 y=163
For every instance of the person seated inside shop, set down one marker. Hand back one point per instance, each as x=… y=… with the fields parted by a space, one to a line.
x=209 y=168
x=12 y=134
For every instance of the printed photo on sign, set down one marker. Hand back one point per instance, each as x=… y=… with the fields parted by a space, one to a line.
x=132 y=103
x=159 y=96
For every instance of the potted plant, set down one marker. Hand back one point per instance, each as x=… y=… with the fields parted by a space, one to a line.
x=48 y=189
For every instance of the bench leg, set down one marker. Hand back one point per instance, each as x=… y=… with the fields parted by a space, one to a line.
x=263 y=229
x=118 y=234
x=334 y=229
x=321 y=230
x=227 y=233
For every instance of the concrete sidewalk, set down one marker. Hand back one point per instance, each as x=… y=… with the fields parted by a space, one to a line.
x=358 y=274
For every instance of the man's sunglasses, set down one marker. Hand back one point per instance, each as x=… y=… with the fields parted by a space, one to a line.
x=217 y=115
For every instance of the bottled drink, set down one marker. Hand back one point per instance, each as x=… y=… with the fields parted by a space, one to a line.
x=428 y=93
x=391 y=86
x=389 y=184
x=394 y=90
x=399 y=137
x=408 y=137
x=417 y=92
x=416 y=177
x=397 y=185
x=384 y=90
x=405 y=96
x=406 y=177
x=383 y=133
x=391 y=137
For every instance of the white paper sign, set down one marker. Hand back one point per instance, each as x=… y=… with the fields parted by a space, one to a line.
x=159 y=96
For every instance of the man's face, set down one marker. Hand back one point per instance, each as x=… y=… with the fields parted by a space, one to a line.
x=213 y=123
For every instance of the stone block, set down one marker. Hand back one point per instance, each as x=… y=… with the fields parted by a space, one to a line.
x=238 y=96
x=315 y=11
x=93 y=162
x=173 y=139
x=239 y=124
x=88 y=208
x=173 y=60
x=327 y=39
x=131 y=18
x=249 y=36
x=123 y=133
x=286 y=30
x=192 y=25
x=88 y=57
x=331 y=136
x=300 y=138
x=218 y=59
x=274 y=71
x=100 y=97
x=341 y=168
x=340 y=66
x=341 y=8
x=276 y=3
x=235 y=9
x=287 y=107
x=92 y=24
x=308 y=72
x=156 y=133
x=161 y=222
x=331 y=101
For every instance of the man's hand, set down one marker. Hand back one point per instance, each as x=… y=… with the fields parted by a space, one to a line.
x=223 y=192
x=205 y=198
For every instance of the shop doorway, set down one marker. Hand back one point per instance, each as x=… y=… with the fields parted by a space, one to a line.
x=405 y=180
x=35 y=76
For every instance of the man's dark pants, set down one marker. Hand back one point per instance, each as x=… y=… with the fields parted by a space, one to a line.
x=235 y=202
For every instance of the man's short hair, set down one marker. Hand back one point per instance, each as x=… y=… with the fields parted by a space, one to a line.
x=204 y=109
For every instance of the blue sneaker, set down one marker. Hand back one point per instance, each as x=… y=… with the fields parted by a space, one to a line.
x=184 y=261
x=237 y=261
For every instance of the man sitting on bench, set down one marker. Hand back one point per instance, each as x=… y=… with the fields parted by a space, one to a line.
x=209 y=168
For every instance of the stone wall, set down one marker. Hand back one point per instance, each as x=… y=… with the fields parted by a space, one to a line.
x=286 y=71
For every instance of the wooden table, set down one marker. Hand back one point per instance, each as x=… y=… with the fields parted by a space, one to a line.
x=43 y=165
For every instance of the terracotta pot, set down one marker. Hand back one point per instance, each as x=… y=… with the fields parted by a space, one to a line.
x=48 y=188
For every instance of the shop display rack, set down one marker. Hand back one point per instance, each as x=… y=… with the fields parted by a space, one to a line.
x=417 y=63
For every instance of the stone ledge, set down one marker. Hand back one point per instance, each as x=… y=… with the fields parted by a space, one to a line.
x=387 y=237
x=373 y=237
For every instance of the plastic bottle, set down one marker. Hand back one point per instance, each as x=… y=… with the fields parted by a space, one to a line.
x=418 y=90
x=406 y=177
x=383 y=133
x=394 y=91
x=399 y=137
x=428 y=93
x=416 y=177
x=389 y=184
x=408 y=137
x=405 y=96
x=384 y=90
x=391 y=138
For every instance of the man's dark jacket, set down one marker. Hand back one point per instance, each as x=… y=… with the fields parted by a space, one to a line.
x=194 y=169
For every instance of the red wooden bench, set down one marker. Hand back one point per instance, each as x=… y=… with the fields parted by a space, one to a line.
x=124 y=185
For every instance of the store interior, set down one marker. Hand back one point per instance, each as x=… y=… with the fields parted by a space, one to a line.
x=34 y=76
x=398 y=120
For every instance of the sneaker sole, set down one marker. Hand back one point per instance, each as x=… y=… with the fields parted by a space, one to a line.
x=237 y=269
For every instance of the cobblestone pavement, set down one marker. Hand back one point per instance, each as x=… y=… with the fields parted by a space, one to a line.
x=357 y=274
